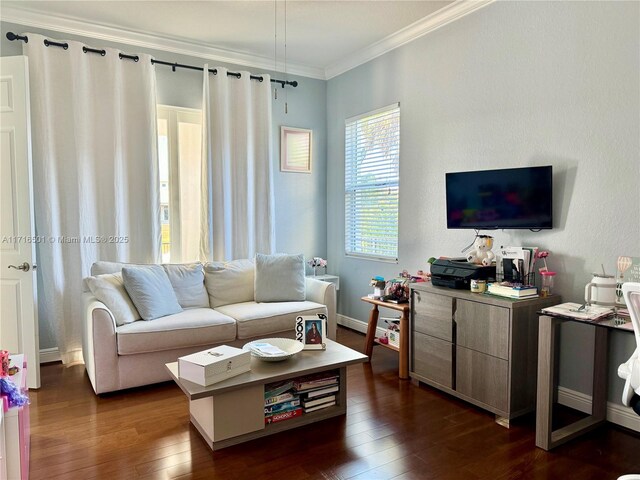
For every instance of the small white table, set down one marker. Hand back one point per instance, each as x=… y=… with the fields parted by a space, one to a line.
x=328 y=278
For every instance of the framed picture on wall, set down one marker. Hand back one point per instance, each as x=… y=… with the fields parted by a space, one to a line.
x=295 y=149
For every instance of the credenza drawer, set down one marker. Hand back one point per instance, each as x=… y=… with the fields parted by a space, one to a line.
x=433 y=315
x=433 y=359
x=483 y=377
x=482 y=327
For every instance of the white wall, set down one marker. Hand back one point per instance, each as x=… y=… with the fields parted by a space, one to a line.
x=513 y=84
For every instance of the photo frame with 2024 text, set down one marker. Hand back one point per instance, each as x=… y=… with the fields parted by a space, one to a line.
x=311 y=330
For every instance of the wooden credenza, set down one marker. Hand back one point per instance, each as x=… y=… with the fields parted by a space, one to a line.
x=480 y=348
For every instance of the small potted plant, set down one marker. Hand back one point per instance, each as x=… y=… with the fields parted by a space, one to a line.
x=316 y=262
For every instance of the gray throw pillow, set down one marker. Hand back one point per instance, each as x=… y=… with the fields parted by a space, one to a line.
x=187 y=281
x=280 y=278
x=151 y=291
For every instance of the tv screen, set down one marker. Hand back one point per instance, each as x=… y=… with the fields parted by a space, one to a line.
x=508 y=198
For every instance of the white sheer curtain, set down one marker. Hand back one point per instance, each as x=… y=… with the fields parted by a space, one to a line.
x=237 y=171
x=95 y=173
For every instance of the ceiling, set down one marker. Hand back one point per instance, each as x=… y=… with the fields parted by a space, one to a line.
x=324 y=38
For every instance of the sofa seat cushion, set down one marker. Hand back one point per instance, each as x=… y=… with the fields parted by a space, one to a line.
x=191 y=327
x=258 y=319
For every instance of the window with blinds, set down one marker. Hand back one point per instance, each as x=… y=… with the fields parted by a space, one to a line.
x=372 y=158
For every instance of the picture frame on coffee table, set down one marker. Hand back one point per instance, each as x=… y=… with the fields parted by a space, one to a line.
x=311 y=331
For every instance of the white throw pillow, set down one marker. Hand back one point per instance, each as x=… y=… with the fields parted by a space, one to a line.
x=230 y=282
x=151 y=291
x=280 y=278
x=109 y=289
x=102 y=267
x=187 y=281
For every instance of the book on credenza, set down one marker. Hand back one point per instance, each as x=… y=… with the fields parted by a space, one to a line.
x=582 y=312
x=512 y=291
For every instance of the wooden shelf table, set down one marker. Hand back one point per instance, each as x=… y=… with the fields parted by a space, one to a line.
x=370 y=340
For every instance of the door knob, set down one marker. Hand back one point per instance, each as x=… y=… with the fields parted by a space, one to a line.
x=25 y=267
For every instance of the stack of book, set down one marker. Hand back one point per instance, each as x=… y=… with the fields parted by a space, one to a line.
x=281 y=402
x=506 y=289
x=317 y=391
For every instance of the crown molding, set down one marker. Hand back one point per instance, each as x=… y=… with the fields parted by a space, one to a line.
x=97 y=31
x=439 y=18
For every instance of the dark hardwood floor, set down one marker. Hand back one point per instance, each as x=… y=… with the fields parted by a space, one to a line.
x=393 y=429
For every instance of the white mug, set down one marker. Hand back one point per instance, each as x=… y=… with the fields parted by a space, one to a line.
x=601 y=290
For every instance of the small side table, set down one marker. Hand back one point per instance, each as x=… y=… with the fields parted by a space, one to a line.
x=403 y=350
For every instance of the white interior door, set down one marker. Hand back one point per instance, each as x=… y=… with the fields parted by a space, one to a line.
x=18 y=317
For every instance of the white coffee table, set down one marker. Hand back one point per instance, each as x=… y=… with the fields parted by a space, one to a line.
x=232 y=412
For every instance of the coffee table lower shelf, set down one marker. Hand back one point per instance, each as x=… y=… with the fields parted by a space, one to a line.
x=232 y=411
x=238 y=416
x=305 y=419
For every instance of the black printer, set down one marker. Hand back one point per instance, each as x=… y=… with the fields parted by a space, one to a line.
x=458 y=273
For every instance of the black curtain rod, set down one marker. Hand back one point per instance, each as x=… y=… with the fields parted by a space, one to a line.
x=48 y=43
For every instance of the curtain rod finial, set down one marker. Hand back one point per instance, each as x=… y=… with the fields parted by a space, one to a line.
x=12 y=36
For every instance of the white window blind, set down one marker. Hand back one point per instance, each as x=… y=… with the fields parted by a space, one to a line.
x=372 y=168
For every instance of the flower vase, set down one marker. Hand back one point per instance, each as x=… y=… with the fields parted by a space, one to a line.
x=314 y=272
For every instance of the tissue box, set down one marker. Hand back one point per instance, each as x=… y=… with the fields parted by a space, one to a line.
x=214 y=365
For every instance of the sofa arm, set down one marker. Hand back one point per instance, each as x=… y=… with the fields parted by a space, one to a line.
x=99 y=345
x=324 y=293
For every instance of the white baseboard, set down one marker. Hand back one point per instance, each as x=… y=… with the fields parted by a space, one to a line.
x=49 y=355
x=616 y=413
x=357 y=325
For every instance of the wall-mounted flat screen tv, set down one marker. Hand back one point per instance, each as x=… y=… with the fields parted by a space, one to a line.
x=496 y=199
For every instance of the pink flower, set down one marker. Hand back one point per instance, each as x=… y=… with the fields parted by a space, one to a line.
x=317 y=262
x=542 y=254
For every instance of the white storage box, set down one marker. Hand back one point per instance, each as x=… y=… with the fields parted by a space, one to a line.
x=394 y=337
x=214 y=365
x=393 y=330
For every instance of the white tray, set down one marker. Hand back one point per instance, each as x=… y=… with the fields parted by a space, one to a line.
x=288 y=345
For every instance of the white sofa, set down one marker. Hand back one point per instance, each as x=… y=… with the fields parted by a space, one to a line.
x=134 y=354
